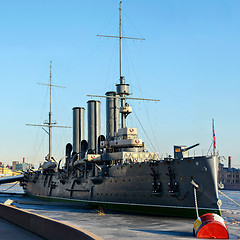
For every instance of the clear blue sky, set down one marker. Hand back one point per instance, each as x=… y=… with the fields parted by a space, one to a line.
x=190 y=60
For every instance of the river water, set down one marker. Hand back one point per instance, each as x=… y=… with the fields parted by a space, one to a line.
x=111 y=225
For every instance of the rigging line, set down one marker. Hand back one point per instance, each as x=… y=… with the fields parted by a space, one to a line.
x=151 y=126
x=112 y=65
x=144 y=131
x=87 y=56
x=113 y=17
x=39 y=146
x=173 y=98
x=146 y=108
x=229 y=198
x=133 y=24
x=210 y=148
x=10 y=187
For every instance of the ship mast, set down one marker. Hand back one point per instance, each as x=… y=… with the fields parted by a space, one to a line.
x=120 y=39
x=49 y=124
x=122 y=87
x=50 y=115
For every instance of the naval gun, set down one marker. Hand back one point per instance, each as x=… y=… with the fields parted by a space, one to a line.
x=181 y=151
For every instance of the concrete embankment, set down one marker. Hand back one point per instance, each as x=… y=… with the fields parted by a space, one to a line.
x=45 y=227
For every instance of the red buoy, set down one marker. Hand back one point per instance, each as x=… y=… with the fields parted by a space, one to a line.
x=210 y=225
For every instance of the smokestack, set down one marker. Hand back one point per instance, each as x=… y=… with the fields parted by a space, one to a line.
x=229 y=162
x=112 y=115
x=23 y=160
x=78 y=128
x=94 y=124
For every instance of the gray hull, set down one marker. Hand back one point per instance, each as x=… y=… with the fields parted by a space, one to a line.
x=155 y=187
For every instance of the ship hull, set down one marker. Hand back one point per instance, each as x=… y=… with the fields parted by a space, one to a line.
x=154 y=187
x=159 y=210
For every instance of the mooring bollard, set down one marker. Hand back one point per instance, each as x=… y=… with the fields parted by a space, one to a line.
x=210 y=225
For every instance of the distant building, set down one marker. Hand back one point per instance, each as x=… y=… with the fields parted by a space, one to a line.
x=14 y=163
x=17 y=166
x=5 y=171
x=230 y=177
x=23 y=166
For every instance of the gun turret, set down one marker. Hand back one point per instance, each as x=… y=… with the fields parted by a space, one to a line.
x=181 y=151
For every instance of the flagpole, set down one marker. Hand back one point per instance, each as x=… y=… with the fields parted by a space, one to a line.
x=214 y=138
